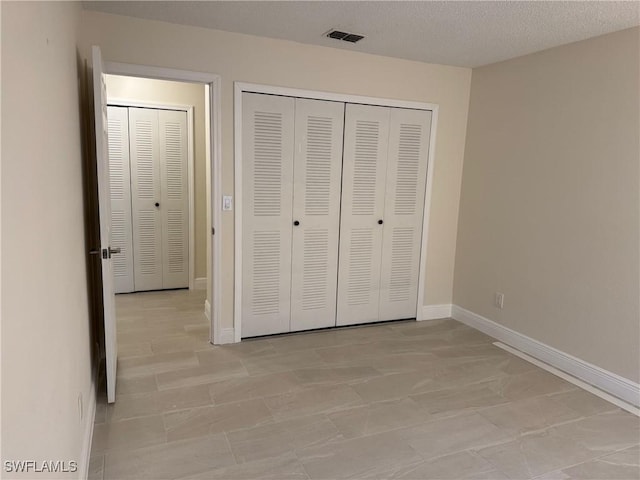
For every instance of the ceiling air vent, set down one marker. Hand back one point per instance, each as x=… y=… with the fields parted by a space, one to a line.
x=347 y=37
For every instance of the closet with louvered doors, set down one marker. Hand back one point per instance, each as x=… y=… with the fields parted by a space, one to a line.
x=383 y=188
x=333 y=197
x=291 y=167
x=150 y=202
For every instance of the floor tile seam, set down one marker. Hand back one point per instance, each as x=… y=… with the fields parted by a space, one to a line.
x=476 y=455
x=466 y=384
x=530 y=397
x=213 y=406
x=128 y=396
x=167 y=444
x=155 y=414
x=126 y=370
x=315 y=348
x=102 y=465
x=367 y=435
x=228 y=377
x=476 y=448
x=271 y=421
x=548 y=471
x=560 y=469
x=605 y=454
x=233 y=454
x=529 y=432
x=128 y=448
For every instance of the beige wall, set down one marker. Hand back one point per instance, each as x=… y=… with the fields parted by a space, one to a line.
x=46 y=358
x=549 y=211
x=176 y=93
x=247 y=58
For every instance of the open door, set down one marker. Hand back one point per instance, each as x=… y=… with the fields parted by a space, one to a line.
x=104 y=200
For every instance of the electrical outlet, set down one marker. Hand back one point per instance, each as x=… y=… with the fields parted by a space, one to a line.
x=498 y=301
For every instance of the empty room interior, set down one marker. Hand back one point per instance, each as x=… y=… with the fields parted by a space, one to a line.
x=320 y=240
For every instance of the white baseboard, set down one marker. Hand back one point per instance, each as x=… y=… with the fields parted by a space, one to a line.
x=571 y=379
x=434 y=312
x=83 y=468
x=200 y=283
x=207 y=310
x=227 y=335
x=605 y=380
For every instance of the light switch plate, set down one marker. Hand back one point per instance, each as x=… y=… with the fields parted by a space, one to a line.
x=227 y=202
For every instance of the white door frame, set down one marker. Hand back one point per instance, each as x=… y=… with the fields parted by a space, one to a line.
x=188 y=109
x=213 y=81
x=239 y=89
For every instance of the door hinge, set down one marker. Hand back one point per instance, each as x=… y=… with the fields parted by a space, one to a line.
x=213 y=231
x=105 y=253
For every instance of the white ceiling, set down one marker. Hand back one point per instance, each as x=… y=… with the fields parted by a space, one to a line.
x=469 y=33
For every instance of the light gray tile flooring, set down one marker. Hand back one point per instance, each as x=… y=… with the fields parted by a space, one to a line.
x=398 y=400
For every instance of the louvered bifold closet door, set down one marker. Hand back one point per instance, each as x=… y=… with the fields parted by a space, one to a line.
x=364 y=167
x=145 y=193
x=119 y=177
x=174 y=202
x=316 y=209
x=404 y=205
x=267 y=177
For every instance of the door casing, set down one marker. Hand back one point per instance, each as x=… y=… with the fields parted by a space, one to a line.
x=214 y=104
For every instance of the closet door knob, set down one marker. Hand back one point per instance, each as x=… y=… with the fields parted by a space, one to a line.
x=296 y=223
x=157 y=204
x=380 y=222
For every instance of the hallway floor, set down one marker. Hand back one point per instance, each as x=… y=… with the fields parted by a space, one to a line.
x=398 y=400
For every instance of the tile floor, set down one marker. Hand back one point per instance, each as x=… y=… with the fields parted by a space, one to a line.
x=430 y=400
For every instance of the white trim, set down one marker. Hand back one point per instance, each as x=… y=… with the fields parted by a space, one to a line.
x=569 y=378
x=90 y=418
x=188 y=109
x=331 y=96
x=426 y=214
x=237 y=174
x=191 y=186
x=227 y=335
x=160 y=73
x=126 y=102
x=239 y=88
x=213 y=81
x=200 y=283
x=605 y=380
x=434 y=312
x=215 y=132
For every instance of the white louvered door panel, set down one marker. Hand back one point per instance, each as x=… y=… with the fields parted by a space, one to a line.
x=174 y=202
x=145 y=193
x=316 y=206
x=119 y=177
x=406 y=180
x=267 y=171
x=363 y=193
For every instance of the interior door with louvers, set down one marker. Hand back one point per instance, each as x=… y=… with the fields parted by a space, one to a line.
x=174 y=200
x=119 y=176
x=267 y=171
x=404 y=205
x=364 y=168
x=316 y=213
x=145 y=198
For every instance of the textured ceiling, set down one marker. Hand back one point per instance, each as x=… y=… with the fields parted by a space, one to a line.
x=468 y=34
